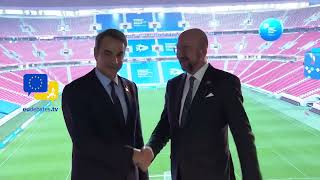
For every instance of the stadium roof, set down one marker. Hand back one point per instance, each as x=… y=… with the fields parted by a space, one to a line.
x=85 y=4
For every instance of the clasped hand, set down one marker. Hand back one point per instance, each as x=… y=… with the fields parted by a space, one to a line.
x=142 y=158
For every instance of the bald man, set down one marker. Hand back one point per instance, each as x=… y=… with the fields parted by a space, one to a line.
x=200 y=105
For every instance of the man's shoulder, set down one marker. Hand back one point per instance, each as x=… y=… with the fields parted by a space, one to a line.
x=127 y=81
x=129 y=85
x=225 y=80
x=176 y=79
x=224 y=75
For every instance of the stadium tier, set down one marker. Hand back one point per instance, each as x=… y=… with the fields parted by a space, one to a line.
x=81 y=49
x=280 y=45
x=21 y=27
x=261 y=70
x=11 y=28
x=226 y=44
x=218 y=64
x=7 y=59
x=267 y=77
x=250 y=44
x=253 y=66
x=231 y=65
x=305 y=88
x=202 y=21
x=40 y=26
x=302 y=44
x=13 y=96
x=273 y=76
x=20 y=51
x=11 y=87
x=303 y=17
x=79 y=25
x=49 y=50
x=290 y=78
x=56 y=50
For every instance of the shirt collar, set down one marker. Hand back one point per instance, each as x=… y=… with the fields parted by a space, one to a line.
x=200 y=73
x=104 y=79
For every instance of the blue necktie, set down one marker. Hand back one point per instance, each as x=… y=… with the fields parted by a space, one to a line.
x=116 y=101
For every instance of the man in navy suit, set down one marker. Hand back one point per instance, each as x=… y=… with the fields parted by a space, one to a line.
x=101 y=112
x=200 y=106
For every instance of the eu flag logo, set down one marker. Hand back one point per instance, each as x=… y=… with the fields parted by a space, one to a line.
x=35 y=83
x=312 y=65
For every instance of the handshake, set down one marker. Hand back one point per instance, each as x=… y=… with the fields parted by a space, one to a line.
x=142 y=157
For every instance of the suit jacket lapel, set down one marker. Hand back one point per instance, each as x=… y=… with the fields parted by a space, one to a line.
x=129 y=100
x=99 y=87
x=205 y=87
x=177 y=98
x=107 y=99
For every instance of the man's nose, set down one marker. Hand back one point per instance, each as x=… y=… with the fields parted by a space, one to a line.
x=113 y=58
x=118 y=58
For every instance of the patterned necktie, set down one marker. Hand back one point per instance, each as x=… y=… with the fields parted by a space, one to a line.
x=116 y=101
x=187 y=102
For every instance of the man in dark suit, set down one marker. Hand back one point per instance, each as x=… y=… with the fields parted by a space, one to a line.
x=200 y=105
x=101 y=112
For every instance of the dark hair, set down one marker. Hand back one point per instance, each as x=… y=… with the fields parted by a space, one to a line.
x=114 y=33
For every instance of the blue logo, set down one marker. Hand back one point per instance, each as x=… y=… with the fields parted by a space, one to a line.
x=312 y=65
x=35 y=83
x=271 y=29
x=141 y=47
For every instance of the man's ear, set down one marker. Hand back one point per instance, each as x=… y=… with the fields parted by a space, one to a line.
x=95 y=53
x=204 y=52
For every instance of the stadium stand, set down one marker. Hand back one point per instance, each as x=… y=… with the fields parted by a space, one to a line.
x=79 y=25
x=77 y=72
x=43 y=27
x=271 y=76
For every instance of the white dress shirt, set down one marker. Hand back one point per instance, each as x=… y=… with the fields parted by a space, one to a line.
x=198 y=77
x=105 y=81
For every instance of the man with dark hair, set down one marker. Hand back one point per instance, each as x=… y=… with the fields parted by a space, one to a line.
x=101 y=112
x=200 y=106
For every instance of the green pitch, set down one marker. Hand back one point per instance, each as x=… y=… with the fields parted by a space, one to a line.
x=287 y=148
